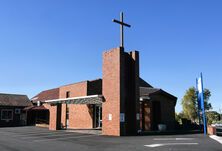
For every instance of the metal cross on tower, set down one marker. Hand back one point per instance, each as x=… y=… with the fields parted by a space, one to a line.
x=122 y=24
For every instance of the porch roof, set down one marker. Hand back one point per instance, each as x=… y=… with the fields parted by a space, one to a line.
x=90 y=99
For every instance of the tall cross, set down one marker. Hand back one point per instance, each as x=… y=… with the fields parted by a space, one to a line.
x=122 y=24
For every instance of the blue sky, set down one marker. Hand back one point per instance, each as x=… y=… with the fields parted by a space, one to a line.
x=46 y=44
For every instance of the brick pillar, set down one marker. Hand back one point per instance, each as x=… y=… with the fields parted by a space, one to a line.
x=136 y=77
x=63 y=115
x=111 y=92
x=121 y=92
x=130 y=78
x=55 y=117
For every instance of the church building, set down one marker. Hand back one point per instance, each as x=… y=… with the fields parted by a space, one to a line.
x=121 y=103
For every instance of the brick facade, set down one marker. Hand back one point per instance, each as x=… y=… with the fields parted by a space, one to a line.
x=111 y=92
x=122 y=113
x=167 y=111
x=146 y=116
x=63 y=114
x=121 y=92
x=158 y=110
x=55 y=117
x=80 y=116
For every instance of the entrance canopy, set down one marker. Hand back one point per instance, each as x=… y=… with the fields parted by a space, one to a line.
x=90 y=99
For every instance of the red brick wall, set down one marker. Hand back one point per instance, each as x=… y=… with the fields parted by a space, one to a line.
x=76 y=90
x=47 y=106
x=63 y=118
x=130 y=91
x=135 y=57
x=79 y=115
x=146 y=119
x=168 y=113
x=111 y=92
x=121 y=92
x=55 y=119
x=52 y=119
x=167 y=110
x=211 y=130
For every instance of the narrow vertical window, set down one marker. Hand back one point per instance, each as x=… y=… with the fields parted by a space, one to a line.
x=67 y=94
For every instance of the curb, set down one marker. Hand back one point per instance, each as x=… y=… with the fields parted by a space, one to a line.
x=216 y=138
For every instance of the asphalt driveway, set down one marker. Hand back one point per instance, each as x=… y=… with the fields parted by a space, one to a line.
x=41 y=139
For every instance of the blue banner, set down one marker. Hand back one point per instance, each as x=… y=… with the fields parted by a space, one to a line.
x=200 y=95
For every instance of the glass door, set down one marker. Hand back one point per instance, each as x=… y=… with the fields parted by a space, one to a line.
x=67 y=115
x=97 y=116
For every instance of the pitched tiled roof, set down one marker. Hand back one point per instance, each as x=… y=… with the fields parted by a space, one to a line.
x=46 y=95
x=35 y=108
x=146 y=91
x=14 y=100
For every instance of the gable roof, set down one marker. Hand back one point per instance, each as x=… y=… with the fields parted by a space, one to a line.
x=143 y=83
x=14 y=100
x=146 y=91
x=46 y=95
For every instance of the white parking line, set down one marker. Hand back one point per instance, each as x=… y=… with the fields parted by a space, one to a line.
x=169 y=144
x=216 y=138
x=173 y=139
x=55 y=139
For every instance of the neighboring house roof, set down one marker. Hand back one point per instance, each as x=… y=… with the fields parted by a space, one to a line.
x=46 y=95
x=146 y=91
x=14 y=100
x=35 y=108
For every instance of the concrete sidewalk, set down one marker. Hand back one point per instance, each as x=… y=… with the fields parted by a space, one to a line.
x=216 y=138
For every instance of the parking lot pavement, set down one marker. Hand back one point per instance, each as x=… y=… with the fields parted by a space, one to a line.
x=35 y=134
x=36 y=139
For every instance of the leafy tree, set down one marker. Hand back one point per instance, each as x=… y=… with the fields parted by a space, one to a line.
x=179 y=117
x=212 y=116
x=190 y=103
x=220 y=112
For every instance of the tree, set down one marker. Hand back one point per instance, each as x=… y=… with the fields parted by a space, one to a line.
x=190 y=103
x=220 y=112
x=179 y=117
x=212 y=117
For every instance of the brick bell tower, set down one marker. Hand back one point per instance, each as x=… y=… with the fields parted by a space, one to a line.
x=121 y=92
x=120 y=89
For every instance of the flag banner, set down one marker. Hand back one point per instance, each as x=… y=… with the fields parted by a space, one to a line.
x=200 y=98
x=200 y=93
x=199 y=85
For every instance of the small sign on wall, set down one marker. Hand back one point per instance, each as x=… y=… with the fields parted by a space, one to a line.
x=17 y=111
x=122 y=117
x=110 y=117
x=138 y=116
